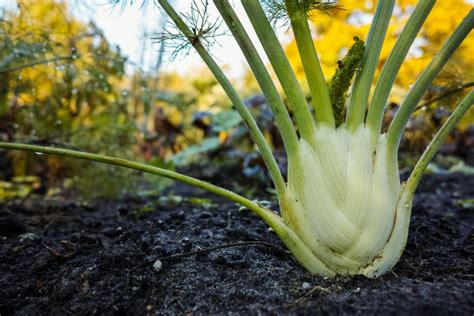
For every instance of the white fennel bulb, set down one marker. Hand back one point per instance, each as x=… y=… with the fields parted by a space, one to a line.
x=342 y=198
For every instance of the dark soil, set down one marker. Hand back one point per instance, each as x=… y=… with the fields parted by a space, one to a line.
x=59 y=257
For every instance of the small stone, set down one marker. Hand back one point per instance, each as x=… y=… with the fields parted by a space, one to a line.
x=27 y=237
x=305 y=285
x=157 y=265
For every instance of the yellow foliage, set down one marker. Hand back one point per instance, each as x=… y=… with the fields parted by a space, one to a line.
x=49 y=23
x=334 y=32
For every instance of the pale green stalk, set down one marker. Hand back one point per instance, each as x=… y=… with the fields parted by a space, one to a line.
x=437 y=142
x=397 y=127
x=282 y=117
x=393 y=249
x=301 y=252
x=244 y=112
x=363 y=80
x=282 y=67
x=321 y=100
x=140 y=167
x=392 y=66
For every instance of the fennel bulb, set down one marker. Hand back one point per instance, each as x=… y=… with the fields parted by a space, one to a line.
x=342 y=197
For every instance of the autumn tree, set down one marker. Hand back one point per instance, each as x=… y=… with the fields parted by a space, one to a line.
x=61 y=84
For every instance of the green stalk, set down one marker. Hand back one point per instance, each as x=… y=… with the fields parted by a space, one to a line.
x=437 y=142
x=140 y=167
x=393 y=64
x=282 y=117
x=301 y=252
x=363 y=81
x=282 y=67
x=392 y=251
x=397 y=127
x=321 y=100
x=244 y=112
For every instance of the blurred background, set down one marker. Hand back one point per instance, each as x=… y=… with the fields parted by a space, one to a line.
x=93 y=75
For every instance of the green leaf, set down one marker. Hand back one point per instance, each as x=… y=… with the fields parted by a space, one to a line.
x=190 y=153
x=225 y=120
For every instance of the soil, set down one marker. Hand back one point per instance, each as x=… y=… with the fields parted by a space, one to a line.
x=62 y=257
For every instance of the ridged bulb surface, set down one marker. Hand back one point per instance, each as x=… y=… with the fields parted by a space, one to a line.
x=342 y=198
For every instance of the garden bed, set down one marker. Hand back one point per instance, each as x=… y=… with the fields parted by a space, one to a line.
x=64 y=257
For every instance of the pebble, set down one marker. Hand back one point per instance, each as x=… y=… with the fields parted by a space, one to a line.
x=157 y=265
x=28 y=237
x=305 y=285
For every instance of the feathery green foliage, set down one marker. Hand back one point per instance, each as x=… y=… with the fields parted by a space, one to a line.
x=278 y=14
